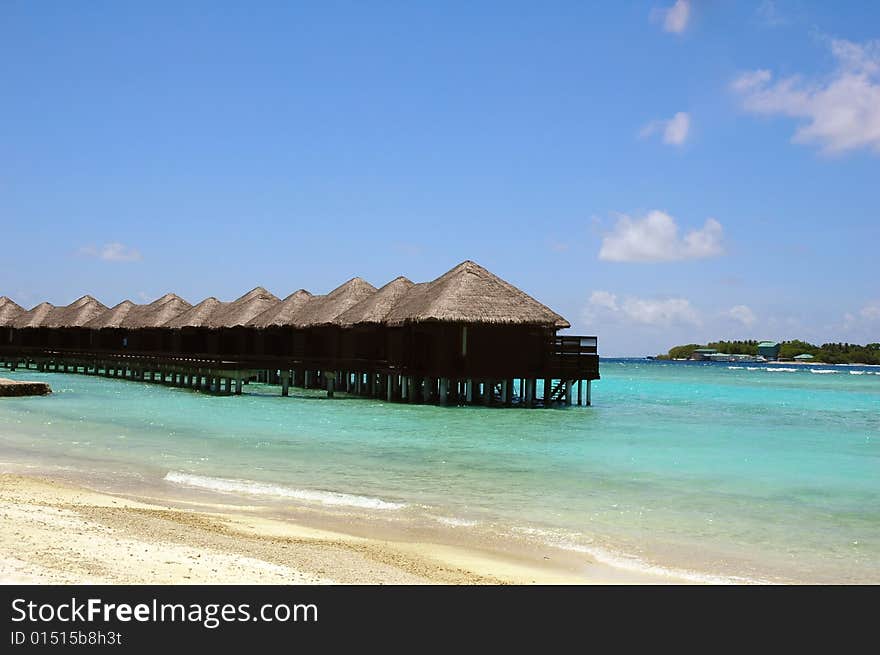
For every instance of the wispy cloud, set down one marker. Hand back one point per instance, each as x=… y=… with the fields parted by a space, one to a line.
x=675 y=130
x=655 y=238
x=674 y=19
x=604 y=306
x=742 y=314
x=862 y=324
x=871 y=311
x=840 y=112
x=769 y=15
x=111 y=252
x=558 y=246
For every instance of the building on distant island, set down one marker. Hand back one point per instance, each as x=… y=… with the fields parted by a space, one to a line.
x=804 y=357
x=728 y=357
x=701 y=354
x=769 y=350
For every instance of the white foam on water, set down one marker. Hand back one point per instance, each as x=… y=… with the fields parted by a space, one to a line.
x=253 y=488
x=821 y=370
x=775 y=369
x=859 y=372
x=735 y=368
x=455 y=522
x=753 y=368
x=632 y=563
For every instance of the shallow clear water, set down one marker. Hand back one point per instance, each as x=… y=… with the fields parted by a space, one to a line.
x=733 y=471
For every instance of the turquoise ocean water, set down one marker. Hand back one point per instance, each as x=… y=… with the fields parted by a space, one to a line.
x=715 y=471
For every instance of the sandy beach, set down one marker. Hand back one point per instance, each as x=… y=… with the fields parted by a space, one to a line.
x=55 y=532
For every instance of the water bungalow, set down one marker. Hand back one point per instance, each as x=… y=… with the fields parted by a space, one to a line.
x=467 y=337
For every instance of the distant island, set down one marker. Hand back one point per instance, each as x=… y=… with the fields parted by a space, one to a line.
x=794 y=350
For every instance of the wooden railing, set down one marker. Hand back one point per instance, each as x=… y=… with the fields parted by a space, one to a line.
x=573 y=345
x=193 y=360
x=567 y=357
x=575 y=357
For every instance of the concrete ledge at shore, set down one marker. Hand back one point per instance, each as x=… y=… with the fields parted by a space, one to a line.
x=20 y=388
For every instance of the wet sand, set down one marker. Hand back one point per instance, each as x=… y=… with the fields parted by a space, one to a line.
x=54 y=532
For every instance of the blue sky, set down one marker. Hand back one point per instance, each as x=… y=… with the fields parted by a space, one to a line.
x=657 y=172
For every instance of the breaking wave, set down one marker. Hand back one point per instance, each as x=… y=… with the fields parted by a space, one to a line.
x=253 y=488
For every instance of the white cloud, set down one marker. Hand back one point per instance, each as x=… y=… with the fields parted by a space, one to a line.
x=675 y=130
x=871 y=311
x=604 y=305
x=654 y=238
x=859 y=326
x=839 y=113
x=743 y=314
x=751 y=81
x=604 y=299
x=675 y=19
x=112 y=252
x=661 y=312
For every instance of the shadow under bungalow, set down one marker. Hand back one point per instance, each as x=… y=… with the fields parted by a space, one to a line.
x=467 y=337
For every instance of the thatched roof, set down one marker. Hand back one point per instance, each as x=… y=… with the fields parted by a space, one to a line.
x=375 y=308
x=9 y=310
x=33 y=317
x=157 y=313
x=113 y=317
x=470 y=294
x=283 y=313
x=466 y=294
x=321 y=310
x=196 y=316
x=243 y=310
x=76 y=314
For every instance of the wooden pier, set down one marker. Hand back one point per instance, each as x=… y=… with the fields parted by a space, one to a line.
x=466 y=338
x=227 y=376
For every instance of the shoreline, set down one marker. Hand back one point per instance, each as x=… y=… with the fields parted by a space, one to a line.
x=113 y=538
x=769 y=363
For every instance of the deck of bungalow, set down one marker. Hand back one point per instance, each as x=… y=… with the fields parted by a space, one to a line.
x=467 y=337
